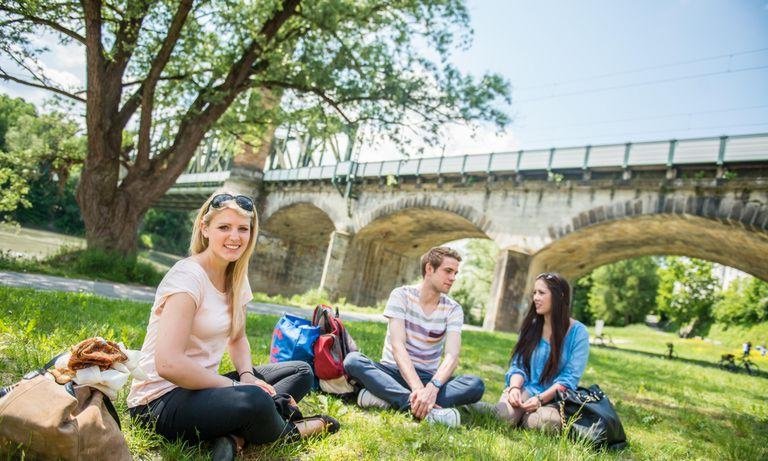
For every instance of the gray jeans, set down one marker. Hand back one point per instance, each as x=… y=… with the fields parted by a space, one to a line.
x=386 y=382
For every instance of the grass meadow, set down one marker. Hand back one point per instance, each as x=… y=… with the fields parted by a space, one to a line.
x=680 y=409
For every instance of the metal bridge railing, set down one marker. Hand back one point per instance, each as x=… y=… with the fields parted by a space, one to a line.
x=662 y=154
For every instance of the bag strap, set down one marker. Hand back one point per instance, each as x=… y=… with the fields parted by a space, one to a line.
x=44 y=368
x=561 y=404
x=316 y=315
x=53 y=361
x=111 y=410
x=342 y=334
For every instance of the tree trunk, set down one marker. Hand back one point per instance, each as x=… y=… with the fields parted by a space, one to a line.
x=111 y=228
x=111 y=213
x=113 y=206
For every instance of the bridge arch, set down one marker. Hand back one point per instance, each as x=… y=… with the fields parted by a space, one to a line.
x=727 y=230
x=479 y=220
x=291 y=249
x=582 y=251
x=307 y=204
x=386 y=248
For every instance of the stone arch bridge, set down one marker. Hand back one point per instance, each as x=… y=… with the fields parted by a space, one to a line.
x=358 y=230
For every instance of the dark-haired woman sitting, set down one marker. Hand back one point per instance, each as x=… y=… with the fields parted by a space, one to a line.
x=550 y=355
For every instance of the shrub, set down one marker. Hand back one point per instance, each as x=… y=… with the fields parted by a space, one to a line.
x=106 y=265
x=166 y=230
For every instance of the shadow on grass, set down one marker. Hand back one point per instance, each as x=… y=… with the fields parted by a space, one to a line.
x=702 y=363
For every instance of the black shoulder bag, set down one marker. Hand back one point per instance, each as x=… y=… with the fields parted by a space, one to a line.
x=592 y=417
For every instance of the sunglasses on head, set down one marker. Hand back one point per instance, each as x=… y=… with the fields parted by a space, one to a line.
x=547 y=276
x=246 y=203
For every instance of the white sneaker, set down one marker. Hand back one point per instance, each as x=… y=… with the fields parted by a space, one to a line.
x=446 y=416
x=367 y=400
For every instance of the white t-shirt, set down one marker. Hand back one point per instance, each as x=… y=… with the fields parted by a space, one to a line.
x=210 y=327
x=424 y=334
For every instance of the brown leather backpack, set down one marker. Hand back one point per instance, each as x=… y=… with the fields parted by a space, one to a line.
x=46 y=420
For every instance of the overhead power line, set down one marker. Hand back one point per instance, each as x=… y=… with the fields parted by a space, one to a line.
x=648 y=82
x=642 y=69
x=648 y=118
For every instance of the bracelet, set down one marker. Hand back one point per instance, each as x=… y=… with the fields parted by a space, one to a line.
x=519 y=388
x=241 y=374
x=538 y=397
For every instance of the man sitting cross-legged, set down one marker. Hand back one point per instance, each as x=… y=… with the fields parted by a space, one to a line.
x=424 y=325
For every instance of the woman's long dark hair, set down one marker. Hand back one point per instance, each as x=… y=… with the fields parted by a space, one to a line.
x=533 y=324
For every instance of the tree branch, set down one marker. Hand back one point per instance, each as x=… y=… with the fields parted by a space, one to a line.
x=6 y=76
x=125 y=40
x=316 y=91
x=205 y=110
x=150 y=83
x=162 y=79
x=45 y=22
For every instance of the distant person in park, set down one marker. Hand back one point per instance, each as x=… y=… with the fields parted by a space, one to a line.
x=421 y=349
x=199 y=311
x=550 y=355
x=746 y=348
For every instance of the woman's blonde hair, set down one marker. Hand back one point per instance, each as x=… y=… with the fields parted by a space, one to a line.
x=237 y=272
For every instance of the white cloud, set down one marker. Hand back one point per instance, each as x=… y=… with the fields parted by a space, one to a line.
x=63 y=64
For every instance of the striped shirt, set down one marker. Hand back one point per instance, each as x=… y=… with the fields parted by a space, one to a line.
x=424 y=334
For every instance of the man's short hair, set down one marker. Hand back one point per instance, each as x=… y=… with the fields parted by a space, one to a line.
x=434 y=257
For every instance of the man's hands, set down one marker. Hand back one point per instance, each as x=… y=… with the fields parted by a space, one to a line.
x=423 y=400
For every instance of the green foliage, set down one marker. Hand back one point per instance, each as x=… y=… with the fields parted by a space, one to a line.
x=38 y=153
x=13 y=186
x=733 y=336
x=473 y=287
x=109 y=265
x=687 y=292
x=88 y=264
x=580 y=301
x=679 y=409
x=11 y=109
x=164 y=74
x=311 y=298
x=166 y=230
x=51 y=206
x=624 y=292
x=744 y=302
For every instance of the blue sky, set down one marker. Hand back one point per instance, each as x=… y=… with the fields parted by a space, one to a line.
x=597 y=71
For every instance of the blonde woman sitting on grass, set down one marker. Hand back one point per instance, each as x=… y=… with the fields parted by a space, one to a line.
x=199 y=311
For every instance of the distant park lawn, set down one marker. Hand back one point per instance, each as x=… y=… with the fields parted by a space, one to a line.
x=681 y=409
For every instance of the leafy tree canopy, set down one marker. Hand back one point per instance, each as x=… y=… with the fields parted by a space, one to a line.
x=687 y=291
x=624 y=292
x=473 y=286
x=45 y=147
x=162 y=74
x=745 y=302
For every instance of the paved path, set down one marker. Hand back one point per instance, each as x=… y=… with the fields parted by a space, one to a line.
x=146 y=294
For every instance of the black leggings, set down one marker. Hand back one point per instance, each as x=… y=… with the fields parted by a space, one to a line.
x=245 y=411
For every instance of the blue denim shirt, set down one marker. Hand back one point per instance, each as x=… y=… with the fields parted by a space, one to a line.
x=572 y=362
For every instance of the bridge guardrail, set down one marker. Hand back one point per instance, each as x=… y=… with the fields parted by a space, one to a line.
x=662 y=154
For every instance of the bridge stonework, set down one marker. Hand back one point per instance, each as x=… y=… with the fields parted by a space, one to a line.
x=361 y=248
